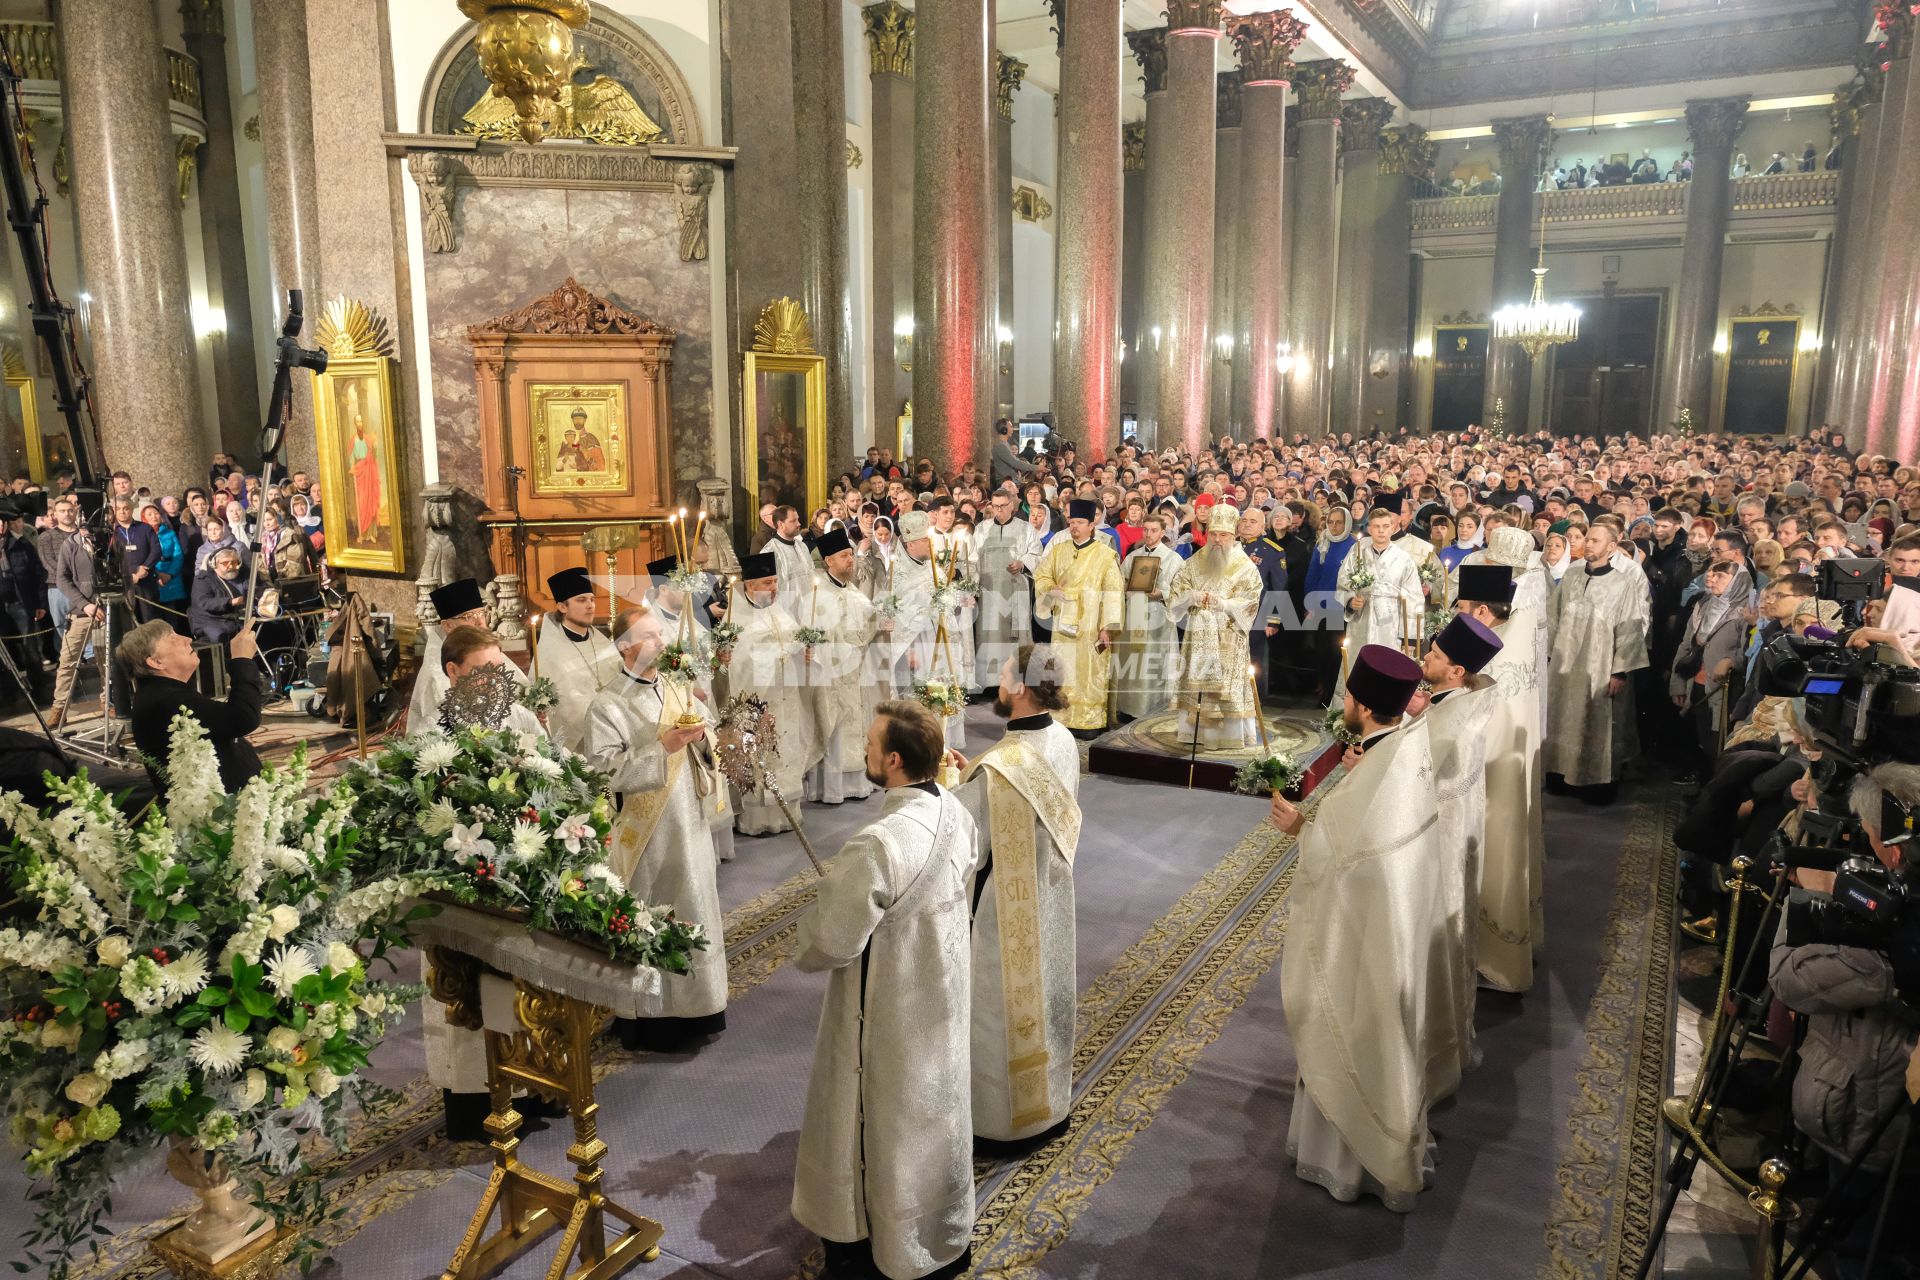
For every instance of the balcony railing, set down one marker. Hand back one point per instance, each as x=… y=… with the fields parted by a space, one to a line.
x=1648 y=200
x=36 y=55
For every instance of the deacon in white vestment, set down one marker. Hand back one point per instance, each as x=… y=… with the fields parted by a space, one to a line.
x=662 y=770
x=687 y=618
x=1368 y=911
x=1023 y=795
x=1379 y=587
x=1006 y=549
x=1216 y=594
x=923 y=624
x=956 y=560
x=792 y=559
x=1456 y=713
x=884 y=1173
x=1598 y=620
x=1511 y=912
x=574 y=655
x=767 y=662
x=457 y=604
x=838 y=674
x=1146 y=658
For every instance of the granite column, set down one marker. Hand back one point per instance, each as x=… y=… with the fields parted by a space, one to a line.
x=953 y=240
x=1086 y=362
x=1887 y=404
x=1712 y=126
x=1180 y=215
x=1315 y=245
x=1226 y=236
x=236 y=377
x=1265 y=42
x=1857 y=215
x=1855 y=376
x=1405 y=153
x=293 y=219
x=1150 y=51
x=133 y=259
x=1522 y=142
x=1011 y=71
x=890 y=43
x=1133 y=216
x=820 y=203
x=1362 y=211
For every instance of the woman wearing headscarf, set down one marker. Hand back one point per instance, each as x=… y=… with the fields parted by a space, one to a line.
x=1558 y=557
x=1323 y=581
x=1466 y=539
x=1708 y=657
x=873 y=563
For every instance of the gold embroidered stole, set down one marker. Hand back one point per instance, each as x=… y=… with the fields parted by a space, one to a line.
x=1020 y=789
x=641 y=813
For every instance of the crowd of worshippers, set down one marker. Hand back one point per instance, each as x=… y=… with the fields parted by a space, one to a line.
x=187 y=559
x=1617 y=171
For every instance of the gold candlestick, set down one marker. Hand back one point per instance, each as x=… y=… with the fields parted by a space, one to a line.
x=1253 y=685
x=534 y=647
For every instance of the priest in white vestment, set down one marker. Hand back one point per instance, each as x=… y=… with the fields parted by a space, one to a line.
x=1514 y=854
x=956 y=561
x=1023 y=794
x=1005 y=548
x=923 y=641
x=838 y=675
x=884 y=1173
x=686 y=618
x=574 y=655
x=1146 y=661
x=767 y=662
x=1078 y=589
x=457 y=604
x=1368 y=909
x=1379 y=587
x=1216 y=596
x=1598 y=620
x=650 y=735
x=1459 y=703
x=792 y=558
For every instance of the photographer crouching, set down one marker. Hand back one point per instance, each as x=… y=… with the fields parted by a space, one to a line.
x=1847 y=960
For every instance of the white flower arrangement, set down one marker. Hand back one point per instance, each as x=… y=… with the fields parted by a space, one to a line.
x=123 y=1032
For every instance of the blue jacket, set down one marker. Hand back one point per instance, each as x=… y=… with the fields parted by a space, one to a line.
x=172 y=558
x=1323 y=573
x=1271 y=559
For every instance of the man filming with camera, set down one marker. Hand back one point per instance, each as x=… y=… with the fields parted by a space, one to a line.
x=1856 y=982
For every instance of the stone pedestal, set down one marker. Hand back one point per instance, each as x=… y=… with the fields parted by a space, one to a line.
x=890 y=44
x=1522 y=142
x=1315 y=245
x=1362 y=211
x=1180 y=220
x=1011 y=71
x=1086 y=362
x=133 y=259
x=236 y=376
x=819 y=209
x=293 y=217
x=1712 y=125
x=1227 y=217
x=1265 y=42
x=954 y=246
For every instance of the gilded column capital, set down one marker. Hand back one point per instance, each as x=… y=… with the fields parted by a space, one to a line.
x=1713 y=124
x=1265 y=43
x=1321 y=84
x=890 y=37
x=1150 y=51
x=1522 y=141
x=203 y=18
x=1011 y=72
x=1361 y=120
x=1227 y=100
x=1195 y=15
x=1407 y=149
x=1133 y=147
x=1057 y=21
x=1895 y=20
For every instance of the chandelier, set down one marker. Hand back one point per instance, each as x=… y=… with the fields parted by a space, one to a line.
x=1539 y=324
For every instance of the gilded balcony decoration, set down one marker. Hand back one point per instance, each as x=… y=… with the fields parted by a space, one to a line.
x=1522 y=141
x=1011 y=72
x=1150 y=51
x=183 y=79
x=1361 y=120
x=1321 y=84
x=525 y=48
x=1194 y=15
x=889 y=38
x=1031 y=205
x=1133 y=147
x=1760 y=193
x=186 y=162
x=1713 y=124
x=854 y=158
x=36 y=55
x=1227 y=100
x=1265 y=43
x=1408 y=150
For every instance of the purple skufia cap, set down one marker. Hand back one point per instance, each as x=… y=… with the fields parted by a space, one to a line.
x=1469 y=642
x=1383 y=680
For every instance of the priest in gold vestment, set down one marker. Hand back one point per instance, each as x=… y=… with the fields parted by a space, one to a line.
x=1217 y=594
x=1077 y=588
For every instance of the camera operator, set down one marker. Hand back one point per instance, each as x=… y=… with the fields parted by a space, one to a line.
x=1859 y=1037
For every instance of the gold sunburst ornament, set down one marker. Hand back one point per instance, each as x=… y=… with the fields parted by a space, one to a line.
x=348 y=329
x=526 y=50
x=783 y=328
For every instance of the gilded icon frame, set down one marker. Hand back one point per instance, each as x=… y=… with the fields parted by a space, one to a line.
x=374 y=376
x=602 y=406
x=811 y=372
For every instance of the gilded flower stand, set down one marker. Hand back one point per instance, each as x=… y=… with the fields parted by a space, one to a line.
x=540 y=1001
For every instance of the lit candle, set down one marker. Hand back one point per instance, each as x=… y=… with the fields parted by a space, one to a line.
x=536 y=643
x=1253 y=683
x=685 y=556
x=673 y=532
x=699 y=528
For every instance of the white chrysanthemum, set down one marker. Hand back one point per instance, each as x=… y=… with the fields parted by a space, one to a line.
x=606 y=875
x=529 y=841
x=434 y=756
x=287 y=968
x=187 y=973
x=438 y=818
x=286 y=858
x=540 y=767
x=218 y=1049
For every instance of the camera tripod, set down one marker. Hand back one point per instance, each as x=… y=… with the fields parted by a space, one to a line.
x=101 y=742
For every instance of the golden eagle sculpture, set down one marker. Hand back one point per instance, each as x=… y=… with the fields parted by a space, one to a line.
x=600 y=111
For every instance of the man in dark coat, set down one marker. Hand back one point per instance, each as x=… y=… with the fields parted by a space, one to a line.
x=1270 y=558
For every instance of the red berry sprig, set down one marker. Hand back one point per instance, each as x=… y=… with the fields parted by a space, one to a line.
x=620 y=923
x=482 y=869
